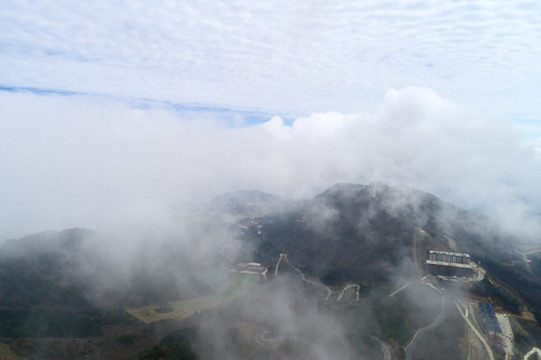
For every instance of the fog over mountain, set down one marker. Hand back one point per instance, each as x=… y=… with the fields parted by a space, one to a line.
x=337 y=277
x=80 y=161
x=232 y=179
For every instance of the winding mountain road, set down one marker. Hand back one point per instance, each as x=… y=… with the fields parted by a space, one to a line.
x=419 y=334
x=283 y=257
x=347 y=287
x=529 y=354
x=261 y=339
x=278 y=264
x=477 y=333
x=399 y=289
x=384 y=348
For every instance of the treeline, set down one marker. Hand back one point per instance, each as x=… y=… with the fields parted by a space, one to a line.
x=31 y=282
x=177 y=345
x=524 y=285
x=500 y=295
x=35 y=303
x=17 y=323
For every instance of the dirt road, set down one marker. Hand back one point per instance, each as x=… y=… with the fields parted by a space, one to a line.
x=476 y=332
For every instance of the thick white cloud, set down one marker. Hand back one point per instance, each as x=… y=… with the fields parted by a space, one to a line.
x=77 y=161
x=280 y=56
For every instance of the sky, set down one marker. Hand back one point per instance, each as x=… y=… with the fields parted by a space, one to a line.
x=113 y=112
x=279 y=57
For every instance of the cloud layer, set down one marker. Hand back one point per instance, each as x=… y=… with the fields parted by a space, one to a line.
x=280 y=57
x=75 y=161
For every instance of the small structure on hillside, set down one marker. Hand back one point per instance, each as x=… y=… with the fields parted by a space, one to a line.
x=444 y=263
x=251 y=266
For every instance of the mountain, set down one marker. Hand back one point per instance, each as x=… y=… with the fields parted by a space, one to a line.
x=361 y=233
x=341 y=235
x=339 y=278
x=243 y=205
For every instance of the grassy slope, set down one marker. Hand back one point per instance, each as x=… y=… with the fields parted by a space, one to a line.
x=7 y=354
x=184 y=308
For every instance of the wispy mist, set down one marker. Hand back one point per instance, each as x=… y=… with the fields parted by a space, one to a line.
x=76 y=161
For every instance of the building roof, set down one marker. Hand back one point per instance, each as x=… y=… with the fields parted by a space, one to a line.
x=447 y=253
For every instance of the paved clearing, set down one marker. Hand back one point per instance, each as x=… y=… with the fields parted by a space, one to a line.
x=507 y=332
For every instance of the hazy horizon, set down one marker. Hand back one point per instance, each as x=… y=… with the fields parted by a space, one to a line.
x=114 y=114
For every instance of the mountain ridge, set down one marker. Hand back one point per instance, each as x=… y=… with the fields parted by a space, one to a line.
x=373 y=238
